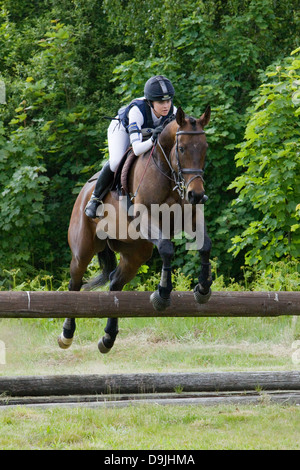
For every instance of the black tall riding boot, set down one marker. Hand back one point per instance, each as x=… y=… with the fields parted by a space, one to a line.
x=102 y=186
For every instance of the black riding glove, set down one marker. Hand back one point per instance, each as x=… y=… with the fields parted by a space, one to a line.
x=156 y=133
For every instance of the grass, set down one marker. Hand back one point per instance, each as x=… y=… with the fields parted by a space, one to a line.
x=163 y=345
x=152 y=345
x=151 y=427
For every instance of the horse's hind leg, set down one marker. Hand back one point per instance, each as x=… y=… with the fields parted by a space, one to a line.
x=77 y=270
x=82 y=254
x=126 y=270
x=118 y=279
x=65 y=339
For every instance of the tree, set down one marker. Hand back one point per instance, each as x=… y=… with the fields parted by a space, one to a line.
x=51 y=130
x=66 y=64
x=270 y=185
x=214 y=53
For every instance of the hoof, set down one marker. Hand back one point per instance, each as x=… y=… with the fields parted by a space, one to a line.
x=201 y=298
x=158 y=302
x=64 y=343
x=104 y=349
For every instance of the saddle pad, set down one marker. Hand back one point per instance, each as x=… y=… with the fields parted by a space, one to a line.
x=125 y=171
x=121 y=174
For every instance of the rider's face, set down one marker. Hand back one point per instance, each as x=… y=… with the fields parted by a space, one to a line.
x=162 y=108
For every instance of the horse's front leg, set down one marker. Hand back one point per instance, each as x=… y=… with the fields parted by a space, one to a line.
x=202 y=291
x=161 y=299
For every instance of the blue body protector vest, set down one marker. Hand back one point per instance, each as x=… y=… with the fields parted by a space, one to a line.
x=145 y=109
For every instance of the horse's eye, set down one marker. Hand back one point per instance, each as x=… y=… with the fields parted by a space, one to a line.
x=181 y=149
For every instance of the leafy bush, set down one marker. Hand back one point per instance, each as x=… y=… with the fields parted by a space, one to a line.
x=270 y=185
x=57 y=61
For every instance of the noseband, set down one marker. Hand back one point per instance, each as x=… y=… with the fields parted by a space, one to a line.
x=180 y=185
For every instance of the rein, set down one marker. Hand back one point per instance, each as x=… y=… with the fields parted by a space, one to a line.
x=178 y=179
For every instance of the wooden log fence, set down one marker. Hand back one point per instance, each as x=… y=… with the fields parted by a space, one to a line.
x=93 y=384
x=60 y=304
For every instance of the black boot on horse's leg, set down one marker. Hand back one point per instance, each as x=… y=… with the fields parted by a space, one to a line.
x=125 y=271
x=107 y=341
x=66 y=337
x=161 y=299
x=111 y=330
x=202 y=291
x=102 y=186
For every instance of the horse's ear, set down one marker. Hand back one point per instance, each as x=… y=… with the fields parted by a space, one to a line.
x=205 y=118
x=180 y=116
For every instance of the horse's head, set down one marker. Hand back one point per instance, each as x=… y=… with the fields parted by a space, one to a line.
x=188 y=154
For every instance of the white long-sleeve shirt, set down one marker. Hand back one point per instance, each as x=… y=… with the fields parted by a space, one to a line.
x=136 y=139
x=119 y=140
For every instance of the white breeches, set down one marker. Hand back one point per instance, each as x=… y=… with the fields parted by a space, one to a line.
x=118 y=143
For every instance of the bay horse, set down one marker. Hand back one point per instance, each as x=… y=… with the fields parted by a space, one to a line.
x=170 y=174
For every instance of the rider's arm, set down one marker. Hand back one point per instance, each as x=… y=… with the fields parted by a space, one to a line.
x=136 y=120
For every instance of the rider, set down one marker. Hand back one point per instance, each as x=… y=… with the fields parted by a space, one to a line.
x=142 y=118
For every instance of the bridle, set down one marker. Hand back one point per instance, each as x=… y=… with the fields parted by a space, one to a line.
x=180 y=185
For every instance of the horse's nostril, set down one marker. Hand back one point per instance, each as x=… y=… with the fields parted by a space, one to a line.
x=191 y=197
x=196 y=198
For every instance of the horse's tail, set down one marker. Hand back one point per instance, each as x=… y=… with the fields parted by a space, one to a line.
x=107 y=261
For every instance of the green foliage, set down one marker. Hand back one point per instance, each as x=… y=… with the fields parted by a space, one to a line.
x=214 y=55
x=23 y=183
x=66 y=64
x=270 y=183
x=277 y=276
x=50 y=131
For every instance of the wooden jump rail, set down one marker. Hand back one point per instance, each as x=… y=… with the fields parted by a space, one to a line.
x=60 y=304
x=148 y=383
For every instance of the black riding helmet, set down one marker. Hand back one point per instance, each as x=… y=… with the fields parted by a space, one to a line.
x=159 y=88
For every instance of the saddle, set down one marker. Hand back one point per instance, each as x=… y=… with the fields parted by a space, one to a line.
x=120 y=181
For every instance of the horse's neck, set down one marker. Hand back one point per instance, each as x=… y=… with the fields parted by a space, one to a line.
x=163 y=152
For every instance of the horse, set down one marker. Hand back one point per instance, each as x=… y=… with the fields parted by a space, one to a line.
x=170 y=174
